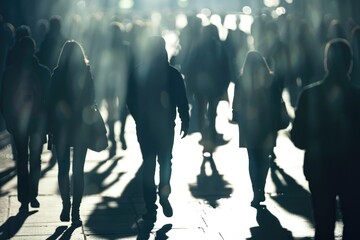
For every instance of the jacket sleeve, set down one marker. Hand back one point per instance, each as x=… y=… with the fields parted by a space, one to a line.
x=178 y=89
x=299 y=125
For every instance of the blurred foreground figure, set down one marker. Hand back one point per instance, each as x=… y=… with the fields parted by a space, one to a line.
x=23 y=97
x=327 y=127
x=72 y=92
x=256 y=109
x=156 y=90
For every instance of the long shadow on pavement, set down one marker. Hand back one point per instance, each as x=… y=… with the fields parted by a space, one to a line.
x=289 y=192
x=210 y=186
x=115 y=218
x=13 y=224
x=269 y=225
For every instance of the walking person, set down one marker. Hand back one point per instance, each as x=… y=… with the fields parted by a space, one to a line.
x=72 y=92
x=326 y=126
x=23 y=104
x=156 y=90
x=255 y=107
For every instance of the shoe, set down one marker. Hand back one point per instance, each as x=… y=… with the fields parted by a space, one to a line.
x=65 y=213
x=34 y=203
x=258 y=197
x=24 y=207
x=75 y=218
x=166 y=206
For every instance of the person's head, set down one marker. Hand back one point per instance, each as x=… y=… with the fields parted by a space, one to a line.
x=25 y=49
x=255 y=71
x=72 y=56
x=155 y=51
x=22 y=31
x=338 y=57
x=55 y=23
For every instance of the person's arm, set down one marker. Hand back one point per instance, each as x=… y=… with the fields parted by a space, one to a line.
x=178 y=89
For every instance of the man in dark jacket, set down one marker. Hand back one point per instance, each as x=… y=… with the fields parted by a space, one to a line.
x=327 y=127
x=23 y=104
x=156 y=90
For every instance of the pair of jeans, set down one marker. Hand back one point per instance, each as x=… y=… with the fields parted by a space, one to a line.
x=155 y=147
x=62 y=147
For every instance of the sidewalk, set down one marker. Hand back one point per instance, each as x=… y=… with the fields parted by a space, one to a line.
x=207 y=205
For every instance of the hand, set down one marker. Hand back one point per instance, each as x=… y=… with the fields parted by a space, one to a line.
x=184 y=130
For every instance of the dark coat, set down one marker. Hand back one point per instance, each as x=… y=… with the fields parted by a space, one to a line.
x=25 y=114
x=70 y=96
x=154 y=96
x=326 y=126
x=257 y=113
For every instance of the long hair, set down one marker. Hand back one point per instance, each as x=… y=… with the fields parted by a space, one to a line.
x=72 y=56
x=255 y=72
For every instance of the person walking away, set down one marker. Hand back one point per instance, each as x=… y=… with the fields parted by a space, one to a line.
x=23 y=104
x=156 y=90
x=326 y=126
x=72 y=92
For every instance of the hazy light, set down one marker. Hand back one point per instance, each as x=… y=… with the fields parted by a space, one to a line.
x=181 y=21
x=245 y=23
x=126 y=4
x=204 y=19
x=81 y=4
x=280 y=11
x=206 y=12
x=271 y=3
x=215 y=19
x=230 y=21
x=289 y=1
x=247 y=10
x=183 y=3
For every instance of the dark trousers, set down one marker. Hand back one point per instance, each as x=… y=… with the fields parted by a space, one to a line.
x=258 y=168
x=62 y=147
x=155 y=147
x=28 y=165
x=324 y=201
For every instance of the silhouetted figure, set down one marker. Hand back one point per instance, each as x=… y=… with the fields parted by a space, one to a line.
x=116 y=67
x=326 y=126
x=355 y=44
x=72 y=91
x=50 y=47
x=24 y=91
x=236 y=45
x=209 y=78
x=7 y=39
x=20 y=32
x=156 y=90
x=256 y=110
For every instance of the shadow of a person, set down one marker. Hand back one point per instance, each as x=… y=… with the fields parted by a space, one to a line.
x=269 y=227
x=210 y=186
x=13 y=224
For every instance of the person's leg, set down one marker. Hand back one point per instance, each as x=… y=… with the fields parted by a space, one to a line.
x=258 y=169
x=324 y=209
x=164 y=159
x=350 y=208
x=36 y=145
x=21 y=145
x=123 y=116
x=63 y=158
x=148 y=172
x=78 y=181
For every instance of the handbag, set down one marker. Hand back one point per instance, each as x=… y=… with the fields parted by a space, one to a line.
x=284 y=118
x=95 y=129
